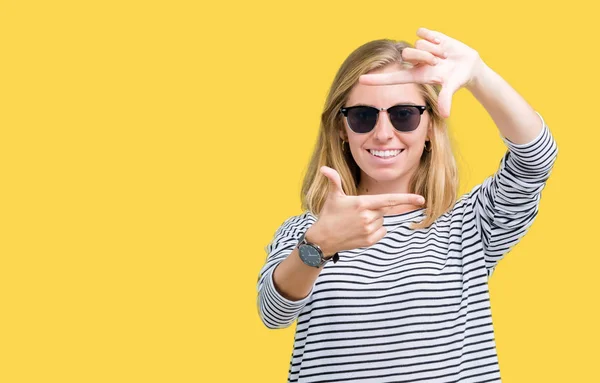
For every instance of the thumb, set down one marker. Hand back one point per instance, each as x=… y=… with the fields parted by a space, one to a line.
x=445 y=99
x=335 y=181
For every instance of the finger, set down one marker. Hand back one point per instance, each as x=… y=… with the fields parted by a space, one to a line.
x=418 y=56
x=335 y=182
x=404 y=76
x=372 y=216
x=382 y=211
x=429 y=35
x=445 y=99
x=434 y=49
x=378 y=235
x=401 y=77
x=379 y=201
x=376 y=224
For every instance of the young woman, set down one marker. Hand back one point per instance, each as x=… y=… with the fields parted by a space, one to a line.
x=386 y=271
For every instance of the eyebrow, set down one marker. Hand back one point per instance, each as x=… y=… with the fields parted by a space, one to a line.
x=373 y=106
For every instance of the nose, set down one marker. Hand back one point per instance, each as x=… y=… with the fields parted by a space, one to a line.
x=384 y=130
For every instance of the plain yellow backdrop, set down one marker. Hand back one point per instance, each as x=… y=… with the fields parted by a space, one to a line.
x=150 y=149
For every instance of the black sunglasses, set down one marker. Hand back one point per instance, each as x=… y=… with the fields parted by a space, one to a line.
x=404 y=118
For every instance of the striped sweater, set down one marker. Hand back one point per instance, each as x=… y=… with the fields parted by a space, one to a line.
x=414 y=307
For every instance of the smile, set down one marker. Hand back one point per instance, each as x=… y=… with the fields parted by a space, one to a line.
x=385 y=154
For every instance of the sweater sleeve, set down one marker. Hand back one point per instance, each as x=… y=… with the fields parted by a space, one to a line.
x=275 y=310
x=506 y=203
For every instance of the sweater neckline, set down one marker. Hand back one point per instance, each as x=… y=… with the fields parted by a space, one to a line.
x=403 y=217
x=392 y=219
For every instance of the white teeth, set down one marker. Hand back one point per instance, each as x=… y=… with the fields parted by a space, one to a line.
x=385 y=153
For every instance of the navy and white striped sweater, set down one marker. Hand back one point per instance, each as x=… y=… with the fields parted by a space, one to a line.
x=415 y=306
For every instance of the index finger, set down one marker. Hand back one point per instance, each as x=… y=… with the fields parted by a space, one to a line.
x=402 y=77
x=379 y=201
x=405 y=76
x=428 y=34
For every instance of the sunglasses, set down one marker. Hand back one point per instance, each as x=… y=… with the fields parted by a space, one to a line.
x=404 y=118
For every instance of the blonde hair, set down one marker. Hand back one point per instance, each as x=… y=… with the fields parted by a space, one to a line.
x=436 y=177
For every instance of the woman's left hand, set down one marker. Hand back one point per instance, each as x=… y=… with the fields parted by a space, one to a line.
x=436 y=59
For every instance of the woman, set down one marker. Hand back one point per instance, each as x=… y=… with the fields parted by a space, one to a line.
x=386 y=271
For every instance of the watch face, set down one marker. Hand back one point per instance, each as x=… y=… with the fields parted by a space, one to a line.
x=309 y=255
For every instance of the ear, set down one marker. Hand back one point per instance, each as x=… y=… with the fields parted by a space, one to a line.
x=429 y=131
x=343 y=135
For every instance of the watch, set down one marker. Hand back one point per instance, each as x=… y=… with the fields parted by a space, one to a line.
x=311 y=254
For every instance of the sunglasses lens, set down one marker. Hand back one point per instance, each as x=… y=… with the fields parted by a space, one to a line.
x=405 y=118
x=362 y=119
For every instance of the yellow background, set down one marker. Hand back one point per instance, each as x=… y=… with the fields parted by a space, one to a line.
x=150 y=149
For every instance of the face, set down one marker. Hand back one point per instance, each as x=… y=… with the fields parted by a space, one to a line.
x=389 y=173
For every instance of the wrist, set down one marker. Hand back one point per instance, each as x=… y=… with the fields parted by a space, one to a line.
x=481 y=72
x=317 y=236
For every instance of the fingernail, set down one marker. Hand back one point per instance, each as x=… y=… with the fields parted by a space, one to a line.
x=437 y=40
x=435 y=60
x=421 y=200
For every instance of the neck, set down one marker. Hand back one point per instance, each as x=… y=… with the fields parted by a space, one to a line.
x=370 y=186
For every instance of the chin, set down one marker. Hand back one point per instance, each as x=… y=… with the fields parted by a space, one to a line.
x=385 y=175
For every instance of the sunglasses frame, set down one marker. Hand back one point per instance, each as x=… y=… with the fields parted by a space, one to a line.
x=344 y=112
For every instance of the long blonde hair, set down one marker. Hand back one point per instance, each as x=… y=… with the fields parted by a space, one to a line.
x=436 y=177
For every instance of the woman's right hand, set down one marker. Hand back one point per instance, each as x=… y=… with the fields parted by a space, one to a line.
x=351 y=222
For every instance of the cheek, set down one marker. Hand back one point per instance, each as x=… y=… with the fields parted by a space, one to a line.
x=355 y=148
x=418 y=137
x=355 y=142
x=414 y=140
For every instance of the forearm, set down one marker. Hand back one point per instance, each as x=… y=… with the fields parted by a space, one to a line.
x=285 y=282
x=283 y=291
x=294 y=279
x=514 y=117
